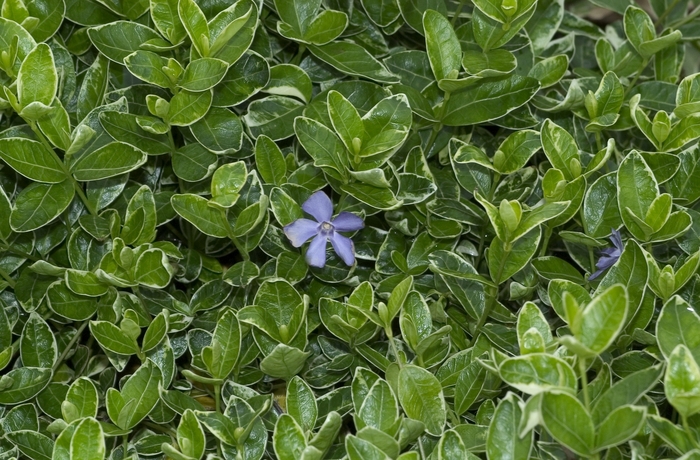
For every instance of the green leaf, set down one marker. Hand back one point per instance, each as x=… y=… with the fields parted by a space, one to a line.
x=187 y=107
x=195 y=23
x=301 y=403
x=284 y=362
x=38 y=344
x=139 y=396
x=637 y=189
x=23 y=383
x=220 y=131
x=561 y=149
x=111 y=160
x=470 y=106
x=37 y=80
x=537 y=372
x=156 y=332
x=619 y=426
x=551 y=70
x=193 y=162
x=112 y=338
x=676 y=325
x=81 y=400
x=567 y=420
x=359 y=449
x=421 y=397
x=32 y=160
x=289 y=80
x=353 y=59
x=94 y=86
x=242 y=80
x=39 y=204
x=600 y=208
x=378 y=198
x=682 y=381
x=503 y=441
x=386 y=126
x=346 y=121
x=273 y=116
x=149 y=67
x=227 y=182
x=602 y=319
x=444 y=51
x=380 y=409
x=190 y=435
x=221 y=356
x=153 y=269
x=5 y=209
x=285 y=209
x=288 y=439
x=124 y=127
x=88 y=441
x=515 y=151
x=166 y=19
x=323 y=145
x=203 y=74
x=195 y=209
x=269 y=161
x=505 y=262
x=34 y=445
x=117 y=40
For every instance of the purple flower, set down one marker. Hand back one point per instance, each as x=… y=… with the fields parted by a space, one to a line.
x=609 y=255
x=323 y=229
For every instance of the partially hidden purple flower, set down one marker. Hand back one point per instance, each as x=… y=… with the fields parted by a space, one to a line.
x=609 y=255
x=324 y=229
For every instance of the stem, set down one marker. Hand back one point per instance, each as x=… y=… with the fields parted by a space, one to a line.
x=217 y=397
x=433 y=136
x=125 y=444
x=491 y=303
x=458 y=11
x=584 y=382
x=161 y=428
x=300 y=52
x=438 y=127
x=241 y=250
x=420 y=447
x=689 y=431
x=78 y=188
x=394 y=349
x=41 y=137
x=598 y=141
x=636 y=76
x=666 y=13
x=17 y=252
x=693 y=14
x=6 y=276
x=72 y=342
x=545 y=243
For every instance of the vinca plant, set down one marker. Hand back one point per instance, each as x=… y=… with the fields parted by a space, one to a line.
x=349 y=229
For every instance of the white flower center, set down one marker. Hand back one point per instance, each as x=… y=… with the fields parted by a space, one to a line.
x=326 y=226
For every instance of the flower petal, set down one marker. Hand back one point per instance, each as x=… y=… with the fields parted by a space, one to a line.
x=316 y=254
x=596 y=274
x=342 y=245
x=347 y=222
x=606 y=262
x=300 y=231
x=616 y=239
x=319 y=206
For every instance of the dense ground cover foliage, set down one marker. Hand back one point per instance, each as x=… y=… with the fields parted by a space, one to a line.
x=369 y=229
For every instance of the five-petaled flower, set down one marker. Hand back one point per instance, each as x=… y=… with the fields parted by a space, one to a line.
x=323 y=229
x=609 y=255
